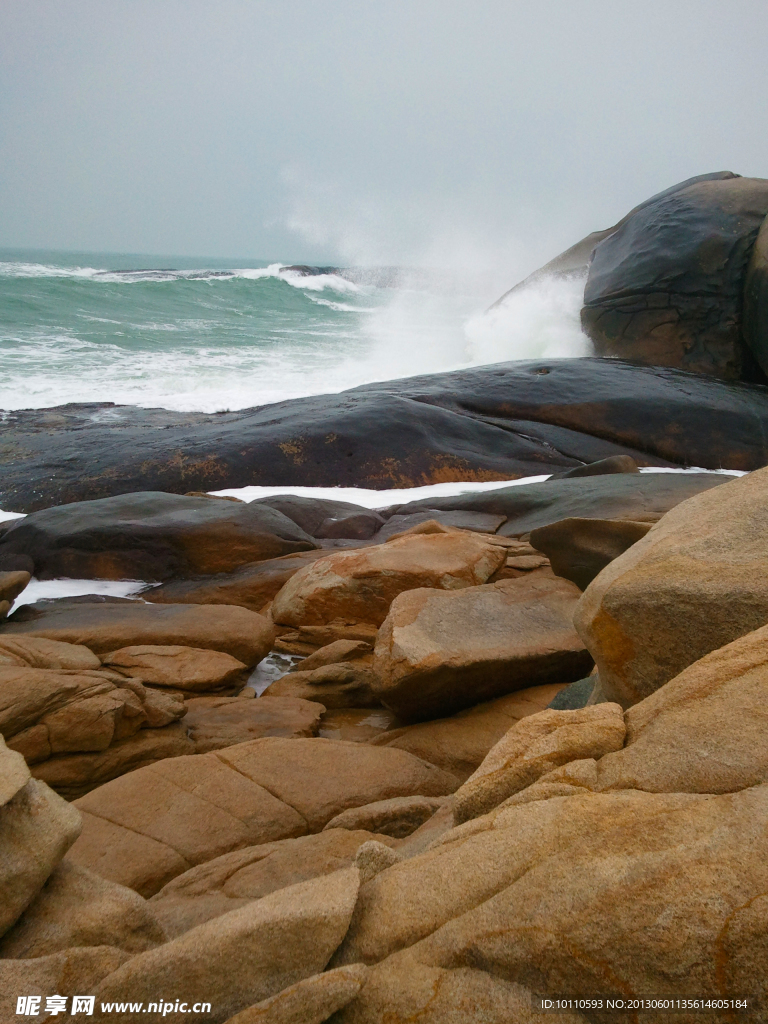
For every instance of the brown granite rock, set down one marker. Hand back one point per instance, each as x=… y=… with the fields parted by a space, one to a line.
x=402 y=990
x=74 y=775
x=234 y=879
x=397 y=817
x=310 y=1001
x=336 y=686
x=187 y=668
x=11 y=585
x=363 y=583
x=267 y=946
x=533 y=747
x=216 y=722
x=105 y=626
x=441 y=651
x=459 y=744
x=37 y=829
x=150 y=825
x=70 y=972
x=702 y=732
x=694 y=583
x=334 y=653
x=78 y=908
x=625 y=892
x=37 y=652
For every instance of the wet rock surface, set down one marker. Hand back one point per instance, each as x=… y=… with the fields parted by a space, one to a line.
x=490 y=423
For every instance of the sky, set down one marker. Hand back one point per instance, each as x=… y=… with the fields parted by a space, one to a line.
x=432 y=132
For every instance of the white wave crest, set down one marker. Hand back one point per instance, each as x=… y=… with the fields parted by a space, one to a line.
x=537 y=321
x=279 y=271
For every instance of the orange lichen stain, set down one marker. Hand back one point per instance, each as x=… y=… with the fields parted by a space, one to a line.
x=330 y=438
x=616 y=649
x=293 y=450
x=209 y=468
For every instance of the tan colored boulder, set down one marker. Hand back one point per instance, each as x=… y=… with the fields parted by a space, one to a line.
x=191 y=808
x=37 y=829
x=71 y=972
x=694 y=583
x=343 y=685
x=14 y=773
x=266 y=946
x=363 y=583
x=310 y=1001
x=105 y=626
x=705 y=731
x=397 y=817
x=402 y=990
x=150 y=825
x=28 y=694
x=320 y=778
x=234 y=879
x=333 y=654
x=533 y=747
x=625 y=892
x=441 y=651
x=37 y=652
x=74 y=775
x=579 y=549
x=337 y=629
x=78 y=908
x=250 y=586
x=373 y=857
x=11 y=585
x=458 y=744
x=187 y=668
x=216 y=722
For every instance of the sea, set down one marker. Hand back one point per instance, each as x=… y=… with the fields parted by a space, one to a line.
x=208 y=334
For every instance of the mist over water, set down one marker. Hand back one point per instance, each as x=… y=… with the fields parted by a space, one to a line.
x=210 y=335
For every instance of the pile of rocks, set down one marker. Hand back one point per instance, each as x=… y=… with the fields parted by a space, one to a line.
x=523 y=753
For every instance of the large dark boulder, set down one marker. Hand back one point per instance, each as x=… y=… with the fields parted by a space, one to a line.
x=756 y=299
x=575 y=260
x=150 y=536
x=488 y=423
x=637 y=497
x=666 y=287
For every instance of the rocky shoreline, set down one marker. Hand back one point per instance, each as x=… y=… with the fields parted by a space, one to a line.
x=514 y=745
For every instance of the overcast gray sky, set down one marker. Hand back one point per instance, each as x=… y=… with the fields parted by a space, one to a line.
x=419 y=131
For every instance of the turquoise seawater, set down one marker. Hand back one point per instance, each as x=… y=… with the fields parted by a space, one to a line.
x=212 y=334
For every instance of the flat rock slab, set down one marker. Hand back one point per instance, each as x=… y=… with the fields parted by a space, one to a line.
x=150 y=536
x=640 y=497
x=152 y=824
x=440 y=651
x=105 y=626
x=488 y=423
x=216 y=722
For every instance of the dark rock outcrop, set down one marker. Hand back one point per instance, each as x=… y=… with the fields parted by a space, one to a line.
x=151 y=536
x=639 y=497
x=489 y=423
x=666 y=287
